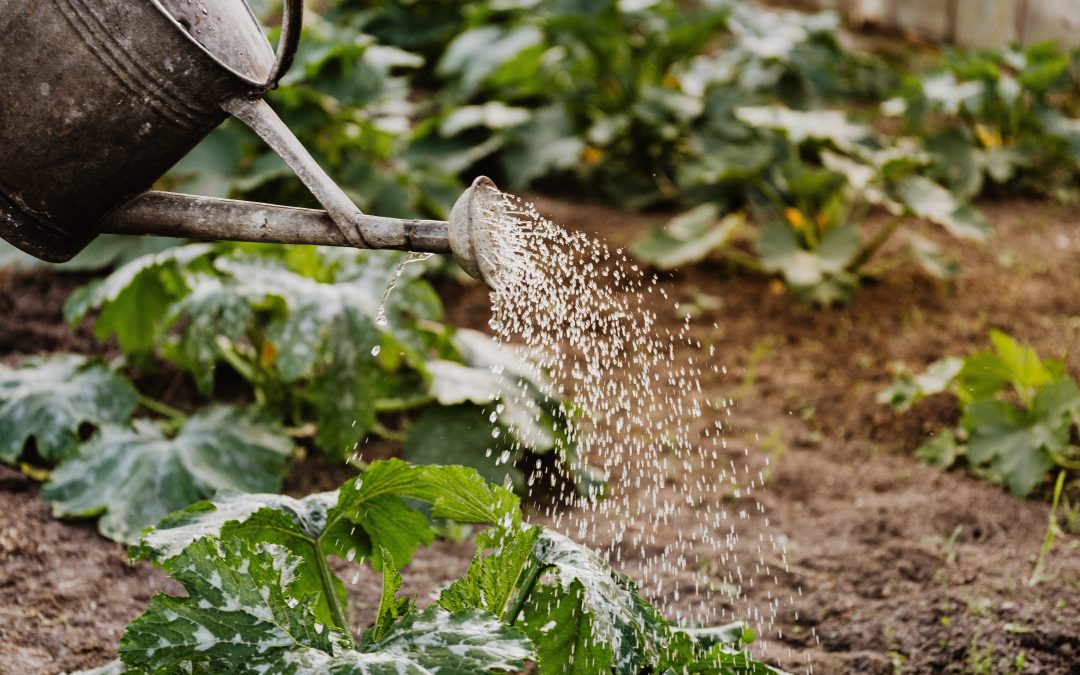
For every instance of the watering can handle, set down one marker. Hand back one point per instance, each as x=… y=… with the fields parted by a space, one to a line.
x=291 y=22
x=257 y=114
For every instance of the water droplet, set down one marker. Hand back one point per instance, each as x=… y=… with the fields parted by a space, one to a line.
x=376 y=350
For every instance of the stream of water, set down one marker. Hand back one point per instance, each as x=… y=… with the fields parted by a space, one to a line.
x=679 y=496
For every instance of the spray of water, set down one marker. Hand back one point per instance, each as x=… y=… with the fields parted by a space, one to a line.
x=678 y=495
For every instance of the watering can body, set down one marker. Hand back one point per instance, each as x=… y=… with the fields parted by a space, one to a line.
x=99 y=98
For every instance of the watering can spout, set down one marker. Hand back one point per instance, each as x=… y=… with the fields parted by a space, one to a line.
x=468 y=236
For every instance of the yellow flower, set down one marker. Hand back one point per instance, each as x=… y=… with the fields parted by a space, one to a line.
x=990 y=138
x=591 y=155
x=268 y=355
x=795 y=218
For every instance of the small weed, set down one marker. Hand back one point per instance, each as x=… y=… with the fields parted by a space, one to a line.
x=979 y=660
x=761 y=351
x=775 y=448
x=1052 y=530
x=950 y=545
x=979 y=607
x=898 y=659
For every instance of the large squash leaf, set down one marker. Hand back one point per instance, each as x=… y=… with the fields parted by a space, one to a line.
x=246 y=613
x=365 y=515
x=243 y=607
x=48 y=401
x=132 y=301
x=821 y=274
x=136 y=475
x=581 y=614
x=618 y=618
x=1019 y=445
x=688 y=238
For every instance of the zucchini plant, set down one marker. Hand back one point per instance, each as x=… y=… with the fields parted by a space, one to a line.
x=1003 y=119
x=825 y=175
x=262 y=598
x=1020 y=414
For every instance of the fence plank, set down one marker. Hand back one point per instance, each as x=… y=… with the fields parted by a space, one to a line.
x=987 y=23
x=1057 y=20
x=928 y=19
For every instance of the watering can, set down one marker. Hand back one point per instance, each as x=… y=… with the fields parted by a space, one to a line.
x=99 y=98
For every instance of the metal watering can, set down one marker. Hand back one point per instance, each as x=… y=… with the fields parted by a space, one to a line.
x=99 y=98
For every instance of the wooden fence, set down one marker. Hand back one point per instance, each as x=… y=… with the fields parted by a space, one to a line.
x=973 y=23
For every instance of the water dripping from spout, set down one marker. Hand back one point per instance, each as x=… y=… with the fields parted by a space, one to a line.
x=395 y=279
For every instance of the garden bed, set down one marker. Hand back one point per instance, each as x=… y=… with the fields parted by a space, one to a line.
x=894 y=564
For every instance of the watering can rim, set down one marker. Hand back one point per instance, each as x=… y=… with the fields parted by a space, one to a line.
x=288 y=42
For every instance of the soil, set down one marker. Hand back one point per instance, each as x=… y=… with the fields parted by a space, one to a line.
x=896 y=567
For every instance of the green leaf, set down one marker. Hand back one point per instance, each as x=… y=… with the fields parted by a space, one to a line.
x=941 y=451
x=491 y=115
x=800 y=126
x=477 y=53
x=523 y=412
x=296 y=524
x=391 y=608
x=907 y=389
x=493 y=580
x=210 y=310
x=627 y=627
x=463 y=435
x=243 y=608
x=688 y=238
x=926 y=199
x=546 y=144
x=322 y=336
x=1017 y=445
x=49 y=400
x=949 y=95
x=367 y=513
x=562 y=631
x=735 y=634
x=133 y=300
x=246 y=612
x=819 y=275
x=985 y=374
x=527 y=404
x=436 y=641
x=136 y=476
x=313 y=335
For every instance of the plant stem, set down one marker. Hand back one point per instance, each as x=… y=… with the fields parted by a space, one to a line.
x=876 y=243
x=401 y=403
x=247 y=370
x=326 y=577
x=513 y=610
x=1051 y=531
x=743 y=260
x=358 y=464
x=389 y=434
x=162 y=409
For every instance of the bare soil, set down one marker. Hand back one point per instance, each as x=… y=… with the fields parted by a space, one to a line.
x=896 y=567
